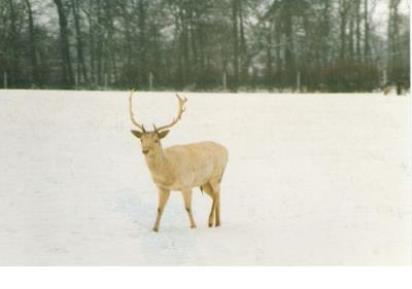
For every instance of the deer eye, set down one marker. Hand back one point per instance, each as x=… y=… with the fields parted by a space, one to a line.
x=157 y=141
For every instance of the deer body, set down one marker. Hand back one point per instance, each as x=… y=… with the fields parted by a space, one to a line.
x=187 y=166
x=182 y=167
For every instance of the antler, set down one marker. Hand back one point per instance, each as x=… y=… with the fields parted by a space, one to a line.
x=138 y=125
x=181 y=109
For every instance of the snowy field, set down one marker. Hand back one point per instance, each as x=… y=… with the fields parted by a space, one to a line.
x=311 y=180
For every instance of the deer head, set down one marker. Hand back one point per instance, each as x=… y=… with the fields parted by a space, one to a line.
x=150 y=140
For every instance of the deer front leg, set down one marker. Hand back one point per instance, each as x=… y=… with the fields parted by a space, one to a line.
x=187 y=196
x=163 y=197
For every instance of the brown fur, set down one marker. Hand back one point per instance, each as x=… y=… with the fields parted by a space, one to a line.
x=183 y=167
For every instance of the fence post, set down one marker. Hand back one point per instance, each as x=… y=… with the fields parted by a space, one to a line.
x=224 y=80
x=105 y=81
x=298 y=81
x=151 y=81
x=76 y=81
x=5 y=79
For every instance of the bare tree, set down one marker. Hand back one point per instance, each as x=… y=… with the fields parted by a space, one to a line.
x=81 y=65
x=68 y=77
x=208 y=44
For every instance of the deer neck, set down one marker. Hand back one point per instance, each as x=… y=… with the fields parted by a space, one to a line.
x=160 y=169
x=157 y=162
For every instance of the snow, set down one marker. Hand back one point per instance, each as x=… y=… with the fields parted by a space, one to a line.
x=312 y=179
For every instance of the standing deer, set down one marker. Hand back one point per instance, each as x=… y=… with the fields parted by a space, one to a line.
x=182 y=167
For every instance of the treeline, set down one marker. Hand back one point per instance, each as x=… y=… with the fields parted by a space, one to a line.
x=329 y=45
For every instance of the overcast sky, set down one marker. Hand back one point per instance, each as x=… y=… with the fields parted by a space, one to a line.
x=381 y=13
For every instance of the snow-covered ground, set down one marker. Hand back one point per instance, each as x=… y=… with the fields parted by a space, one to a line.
x=311 y=180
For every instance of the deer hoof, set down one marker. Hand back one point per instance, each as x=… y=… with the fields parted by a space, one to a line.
x=193 y=227
x=156 y=230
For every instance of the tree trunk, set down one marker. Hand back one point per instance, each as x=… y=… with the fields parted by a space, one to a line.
x=269 y=60
x=194 y=46
x=235 y=33
x=81 y=66
x=289 y=47
x=366 y=53
x=351 y=36
x=200 y=32
x=243 y=48
x=358 y=31
x=343 y=20
x=142 y=44
x=68 y=78
x=33 y=54
x=99 y=43
x=279 y=68
x=13 y=63
x=325 y=32
x=184 y=47
x=394 y=62
x=128 y=58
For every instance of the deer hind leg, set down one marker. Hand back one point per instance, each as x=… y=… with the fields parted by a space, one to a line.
x=163 y=197
x=187 y=196
x=208 y=189
x=215 y=184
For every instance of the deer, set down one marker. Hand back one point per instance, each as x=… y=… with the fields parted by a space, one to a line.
x=181 y=167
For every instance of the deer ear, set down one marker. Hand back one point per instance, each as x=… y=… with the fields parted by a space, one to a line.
x=162 y=134
x=136 y=133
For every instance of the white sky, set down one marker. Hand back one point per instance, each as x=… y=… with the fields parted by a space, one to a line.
x=380 y=15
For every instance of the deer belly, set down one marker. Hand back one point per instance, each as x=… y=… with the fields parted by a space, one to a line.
x=201 y=174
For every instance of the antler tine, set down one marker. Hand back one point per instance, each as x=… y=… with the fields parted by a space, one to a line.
x=181 y=109
x=138 y=125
